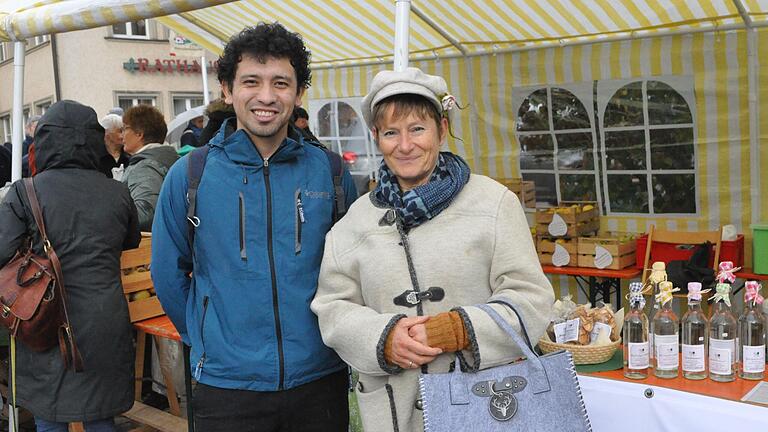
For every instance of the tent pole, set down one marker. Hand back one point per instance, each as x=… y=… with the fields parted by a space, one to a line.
x=402 y=25
x=204 y=70
x=18 y=103
x=754 y=113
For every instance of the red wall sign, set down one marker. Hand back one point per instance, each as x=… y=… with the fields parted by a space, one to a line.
x=166 y=66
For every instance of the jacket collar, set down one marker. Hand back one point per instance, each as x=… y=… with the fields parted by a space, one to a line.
x=240 y=149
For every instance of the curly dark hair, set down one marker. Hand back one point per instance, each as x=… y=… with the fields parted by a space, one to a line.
x=148 y=120
x=262 y=41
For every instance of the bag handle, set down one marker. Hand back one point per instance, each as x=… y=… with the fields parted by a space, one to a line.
x=66 y=335
x=519 y=318
x=538 y=380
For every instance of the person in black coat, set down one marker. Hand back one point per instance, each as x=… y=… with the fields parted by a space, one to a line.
x=90 y=220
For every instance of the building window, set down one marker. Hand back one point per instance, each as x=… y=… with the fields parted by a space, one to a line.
x=557 y=146
x=136 y=29
x=42 y=107
x=341 y=127
x=183 y=103
x=38 y=40
x=7 y=131
x=648 y=150
x=127 y=101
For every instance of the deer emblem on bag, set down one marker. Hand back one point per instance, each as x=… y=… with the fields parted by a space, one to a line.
x=503 y=404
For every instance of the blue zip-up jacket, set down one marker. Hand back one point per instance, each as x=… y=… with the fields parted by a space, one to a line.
x=257 y=253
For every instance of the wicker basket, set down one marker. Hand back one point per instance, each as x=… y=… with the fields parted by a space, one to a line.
x=582 y=354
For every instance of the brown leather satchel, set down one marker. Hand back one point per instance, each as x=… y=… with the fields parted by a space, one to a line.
x=32 y=296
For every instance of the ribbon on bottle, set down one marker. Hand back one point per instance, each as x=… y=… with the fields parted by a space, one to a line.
x=636 y=298
x=751 y=292
x=726 y=272
x=658 y=272
x=665 y=293
x=722 y=292
x=695 y=292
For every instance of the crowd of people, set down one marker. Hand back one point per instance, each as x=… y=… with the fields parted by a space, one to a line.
x=275 y=292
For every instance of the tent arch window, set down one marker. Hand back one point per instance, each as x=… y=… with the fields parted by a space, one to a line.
x=339 y=124
x=648 y=147
x=556 y=133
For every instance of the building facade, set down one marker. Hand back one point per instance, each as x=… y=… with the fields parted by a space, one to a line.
x=121 y=65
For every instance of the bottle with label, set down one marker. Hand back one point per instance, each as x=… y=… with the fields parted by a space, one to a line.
x=657 y=276
x=695 y=335
x=666 y=348
x=722 y=337
x=635 y=332
x=752 y=334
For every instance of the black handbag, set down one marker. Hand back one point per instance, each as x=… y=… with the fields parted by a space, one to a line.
x=695 y=269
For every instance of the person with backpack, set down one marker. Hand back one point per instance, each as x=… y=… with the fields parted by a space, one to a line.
x=237 y=242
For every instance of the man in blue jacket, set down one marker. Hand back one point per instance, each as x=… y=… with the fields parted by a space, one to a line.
x=263 y=206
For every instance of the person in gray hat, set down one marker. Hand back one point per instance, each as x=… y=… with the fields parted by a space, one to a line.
x=402 y=269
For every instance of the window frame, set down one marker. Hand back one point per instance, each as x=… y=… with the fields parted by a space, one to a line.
x=585 y=94
x=154 y=96
x=5 y=120
x=683 y=85
x=38 y=40
x=187 y=97
x=129 y=30
x=42 y=105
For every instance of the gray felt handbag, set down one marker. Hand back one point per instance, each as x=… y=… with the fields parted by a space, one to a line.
x=538 y=394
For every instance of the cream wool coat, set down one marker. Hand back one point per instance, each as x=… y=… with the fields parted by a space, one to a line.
x=478 y=249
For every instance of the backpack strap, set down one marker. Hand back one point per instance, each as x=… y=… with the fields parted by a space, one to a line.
x=195 y=167
x=337 y=172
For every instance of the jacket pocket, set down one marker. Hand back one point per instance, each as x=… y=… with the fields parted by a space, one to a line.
x=377 y=406
x=243 y=254
x=299 y=220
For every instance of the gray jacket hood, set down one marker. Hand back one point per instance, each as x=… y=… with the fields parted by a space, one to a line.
x=164 y=154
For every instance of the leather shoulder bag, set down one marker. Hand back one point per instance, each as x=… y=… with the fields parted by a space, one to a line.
x=32 y=296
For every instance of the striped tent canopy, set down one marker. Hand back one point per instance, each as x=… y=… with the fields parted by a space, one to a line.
x=341 y=31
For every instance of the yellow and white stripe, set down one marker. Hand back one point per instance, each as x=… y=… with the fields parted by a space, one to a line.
x=21 y=19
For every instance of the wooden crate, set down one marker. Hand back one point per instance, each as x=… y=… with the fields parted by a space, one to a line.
x=547 y=244
x=571 y=214
x=134 y=265
x=574 y=230
x=525 y=190
x=613 y=245
x=623 y=252
x=618 y=263
x=546 y=259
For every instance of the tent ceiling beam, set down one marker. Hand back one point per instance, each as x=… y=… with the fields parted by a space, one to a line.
x=430 y=22
x=743 y=12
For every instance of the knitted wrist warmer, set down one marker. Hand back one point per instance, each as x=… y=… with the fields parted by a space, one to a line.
x=446 y=331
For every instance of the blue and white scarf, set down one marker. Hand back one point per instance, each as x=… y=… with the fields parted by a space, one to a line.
x=424 y=202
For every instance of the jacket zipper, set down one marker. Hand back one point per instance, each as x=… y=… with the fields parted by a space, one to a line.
x=271 y=253
x=243 y=255
x=299 y=220
x=199 y=367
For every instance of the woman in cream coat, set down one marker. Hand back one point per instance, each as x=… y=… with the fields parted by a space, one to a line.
x=403 y=269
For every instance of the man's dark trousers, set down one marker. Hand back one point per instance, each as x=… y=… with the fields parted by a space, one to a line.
x=319 y=406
